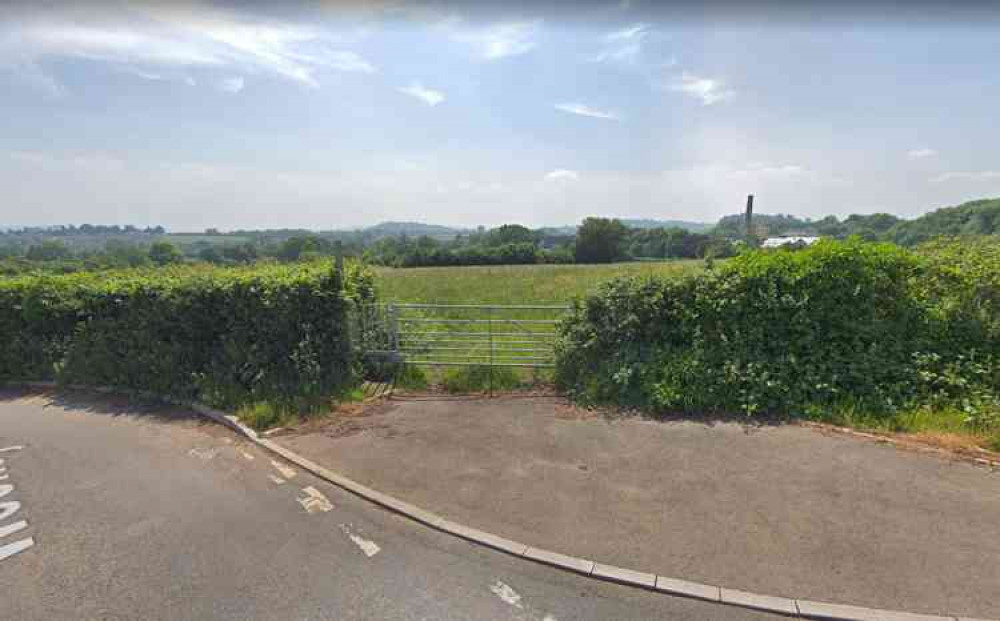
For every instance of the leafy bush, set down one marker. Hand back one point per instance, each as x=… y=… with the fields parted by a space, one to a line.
x=227 y=336
x=840 y=324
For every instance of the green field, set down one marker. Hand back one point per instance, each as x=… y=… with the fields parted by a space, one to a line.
x=512 y=284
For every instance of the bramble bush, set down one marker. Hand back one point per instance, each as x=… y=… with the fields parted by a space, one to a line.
x=231 y=337
x=870 y=327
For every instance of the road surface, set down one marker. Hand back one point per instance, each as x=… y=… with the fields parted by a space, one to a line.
x=147 y=513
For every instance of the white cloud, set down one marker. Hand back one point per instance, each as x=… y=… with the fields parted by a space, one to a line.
x=708 y=90
x=232 y=85
x=499 y=40
x=622 y=45
x=195 y=36
x=584 y=110
x=923 y=152
x=982 y=175
x=562 y=173
x=427 y=95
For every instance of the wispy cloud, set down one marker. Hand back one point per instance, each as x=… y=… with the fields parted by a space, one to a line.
x=562 y=173
x=623 y=45
x=981 y=175
x=708 y=90
x=585 y=110
x=921 y=153
x=196 y=36
x=499 y=40
x=428 y=96
x=232 y=85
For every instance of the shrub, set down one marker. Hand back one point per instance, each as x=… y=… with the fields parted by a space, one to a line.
x=839 y=324
x=230 y=337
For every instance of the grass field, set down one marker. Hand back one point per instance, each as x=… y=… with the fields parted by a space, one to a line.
x=512 y=284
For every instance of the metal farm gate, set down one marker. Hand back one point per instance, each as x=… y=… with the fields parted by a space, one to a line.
x=445 y=335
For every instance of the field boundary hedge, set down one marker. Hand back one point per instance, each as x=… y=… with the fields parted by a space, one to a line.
x=228 y=337
x=855 y=325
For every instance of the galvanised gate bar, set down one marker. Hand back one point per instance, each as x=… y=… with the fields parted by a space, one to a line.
x=460 y=334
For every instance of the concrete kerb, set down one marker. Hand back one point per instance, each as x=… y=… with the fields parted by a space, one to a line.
x=821 y=611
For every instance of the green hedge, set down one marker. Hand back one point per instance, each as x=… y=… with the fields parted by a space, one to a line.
x=226 y=336
x=868 y=326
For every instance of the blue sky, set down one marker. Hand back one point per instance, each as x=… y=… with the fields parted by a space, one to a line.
x=246 y=116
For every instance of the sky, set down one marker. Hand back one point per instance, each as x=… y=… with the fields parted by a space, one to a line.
x=331 y=115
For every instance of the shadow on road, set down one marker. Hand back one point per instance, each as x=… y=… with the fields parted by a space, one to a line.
x=105 y=404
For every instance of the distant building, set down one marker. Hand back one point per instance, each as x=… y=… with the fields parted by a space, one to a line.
x=791 y=240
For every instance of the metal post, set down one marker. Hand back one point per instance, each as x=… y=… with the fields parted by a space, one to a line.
x=749 y=218
x=489 y=316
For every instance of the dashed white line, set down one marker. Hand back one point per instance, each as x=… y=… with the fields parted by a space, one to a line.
x=369 y=547
x=247 y=456
x=276 y=479
x=314 y=501
x=11 y=448
x=285 y=471
x=507 y=594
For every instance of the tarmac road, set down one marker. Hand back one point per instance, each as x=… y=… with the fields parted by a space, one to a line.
x=147 y=513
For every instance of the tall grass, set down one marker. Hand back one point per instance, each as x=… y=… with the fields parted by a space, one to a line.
x=512 y=284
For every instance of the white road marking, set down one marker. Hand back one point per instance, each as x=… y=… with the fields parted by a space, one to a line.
x=3 y=477
x=549 y=618
x=246 y=456
x=10 y=529
x=9 y=508
x=314 y=501
x=369 y=547
x=277 y=480
x=13 y=548
x=205 y=454
x=283 y=469
x=5 y=489
x=11 y=448
x=507 y=594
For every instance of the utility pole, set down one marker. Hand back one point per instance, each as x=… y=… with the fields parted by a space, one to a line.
x=749 y=219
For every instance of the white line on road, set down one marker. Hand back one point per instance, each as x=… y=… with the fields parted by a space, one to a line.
x=8 y=508
x=507 y=594
x=5 y=489
x=11 y=448
x=205 y=454
x=13 y=548
x=276 y=479
x=10 y=529
x=369 y=547
x=247 y=456
x=314 y=501
x=283 y=469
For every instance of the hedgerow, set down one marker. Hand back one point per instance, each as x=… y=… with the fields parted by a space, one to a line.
x=840 y=324
x=268 y=333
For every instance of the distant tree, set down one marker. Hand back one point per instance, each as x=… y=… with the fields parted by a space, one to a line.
x=240 y=253
x=164 y=253
x=124 y=254
x=600 y=240
x=511 y=234
x=49 y=250
x=210 y=254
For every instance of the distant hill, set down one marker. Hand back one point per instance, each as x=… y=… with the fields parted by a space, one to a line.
x=412 y=229
x=979 y=217
x=647 y=223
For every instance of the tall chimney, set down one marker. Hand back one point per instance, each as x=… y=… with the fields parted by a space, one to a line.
x=749 y=217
